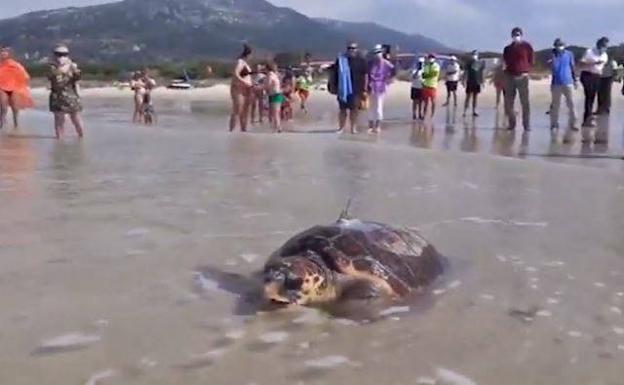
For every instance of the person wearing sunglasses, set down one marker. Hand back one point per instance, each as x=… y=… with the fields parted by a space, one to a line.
x=64 y=76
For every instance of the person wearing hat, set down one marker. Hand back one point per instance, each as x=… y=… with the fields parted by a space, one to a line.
x=431 y=76
x=351 y=81
x=473 y=81
x=379 y=75
x=14 y=87
x=563 y=84
x=593 y=63
x=452 y=74
x=416 y=89
x=518 y=58
x=64 y=76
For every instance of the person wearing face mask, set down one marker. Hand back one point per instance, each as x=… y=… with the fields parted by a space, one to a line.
x=593 y=62
x=606 y=86
x=473 y=81
x=431 y=76
x=351 y=82
x=14 y=87
x=563 y=84
x=518 y=58
x=453 y=74
x=64 y=76
x=379 y=75
x=416 y=91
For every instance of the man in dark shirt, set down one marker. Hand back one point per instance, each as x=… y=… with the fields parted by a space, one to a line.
x=518 y=58
x=359 y=80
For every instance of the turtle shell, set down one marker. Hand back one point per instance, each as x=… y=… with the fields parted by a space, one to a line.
x=398 y=260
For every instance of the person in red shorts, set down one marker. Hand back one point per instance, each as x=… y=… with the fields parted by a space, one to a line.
x=430 y=76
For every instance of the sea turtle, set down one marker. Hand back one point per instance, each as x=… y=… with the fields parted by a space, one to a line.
x=350 y=259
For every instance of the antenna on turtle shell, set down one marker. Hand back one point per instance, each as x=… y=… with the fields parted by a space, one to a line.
x=344 y=215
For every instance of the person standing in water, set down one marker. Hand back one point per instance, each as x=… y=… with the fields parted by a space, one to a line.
x=304 y=84
x=563 y=83
x=453 y=74
x=431 y=77
x=605 y=87
x=14 y=88
x=273 y=88
x=416 y=90
x=379 y=75
x=519 y=58
x=137 y=84
x=241 y=90
x=258 y=94
x=498 y=80
x=64 y=76
x=351 y=81
x=593 y=63
x=473 y=82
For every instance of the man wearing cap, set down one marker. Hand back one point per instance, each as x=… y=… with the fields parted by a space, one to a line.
x=473 y=81
x=379 y=75
x=518 y=58
x=563 y=83
x=351 y=78
x=431 y=76
x=593 y=63
x=452 y=74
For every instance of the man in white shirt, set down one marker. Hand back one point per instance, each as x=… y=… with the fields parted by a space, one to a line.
x=416 y=91
x=593 y=63
x=453 y=75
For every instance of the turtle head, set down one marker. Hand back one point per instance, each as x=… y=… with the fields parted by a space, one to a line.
x=299 y=280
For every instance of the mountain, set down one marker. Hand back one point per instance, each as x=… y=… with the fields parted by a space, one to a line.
x=135 y=31
x=372 y=33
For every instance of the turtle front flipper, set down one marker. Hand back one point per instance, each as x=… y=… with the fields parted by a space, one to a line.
x=357 y=289
x=365 y=268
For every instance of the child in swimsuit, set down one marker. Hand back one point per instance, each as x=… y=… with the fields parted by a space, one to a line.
x=276 y=97
x=304 y=82
x=287 y=90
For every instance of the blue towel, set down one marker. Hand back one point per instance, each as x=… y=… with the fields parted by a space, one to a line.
x=345 y=86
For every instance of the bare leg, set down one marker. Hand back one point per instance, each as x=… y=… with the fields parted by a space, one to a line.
x=14 y=110
x=414 y=109
x=254 y=106
x=136 y=118
x=353 y=116
x=244 y=113
x=455 y=98
x=275 y=110
x=474 y=105
x=237 y=101
x=4 y=107
x=467 y=103
x=77 y=122
x=59 y=124
x=425 y=107
x=433 y=107
x=342 y=119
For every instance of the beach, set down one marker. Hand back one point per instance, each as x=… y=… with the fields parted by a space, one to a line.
x=105 y=242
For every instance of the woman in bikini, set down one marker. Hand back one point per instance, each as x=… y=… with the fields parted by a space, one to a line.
x=137 y=84
x=241 y=91
x=14 y=87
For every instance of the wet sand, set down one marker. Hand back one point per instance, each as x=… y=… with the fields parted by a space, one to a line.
x=101 y=241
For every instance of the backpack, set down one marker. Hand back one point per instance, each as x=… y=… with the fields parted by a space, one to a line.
x=332 y=82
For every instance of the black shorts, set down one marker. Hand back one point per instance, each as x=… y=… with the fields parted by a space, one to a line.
x=451 y=86
x=473 y=88
x=416 y=94
x=352 y=103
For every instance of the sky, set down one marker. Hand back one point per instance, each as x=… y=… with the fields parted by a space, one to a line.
x=462 y=24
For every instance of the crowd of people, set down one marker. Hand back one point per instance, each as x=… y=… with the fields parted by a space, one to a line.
x=359 y=83
x=266 y=91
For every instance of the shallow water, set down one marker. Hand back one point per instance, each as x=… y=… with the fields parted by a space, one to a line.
x=101 y=241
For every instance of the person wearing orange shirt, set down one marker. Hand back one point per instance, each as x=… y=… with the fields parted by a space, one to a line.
x=14 y=87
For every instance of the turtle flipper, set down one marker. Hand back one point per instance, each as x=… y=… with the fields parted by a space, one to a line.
x=357 y=289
